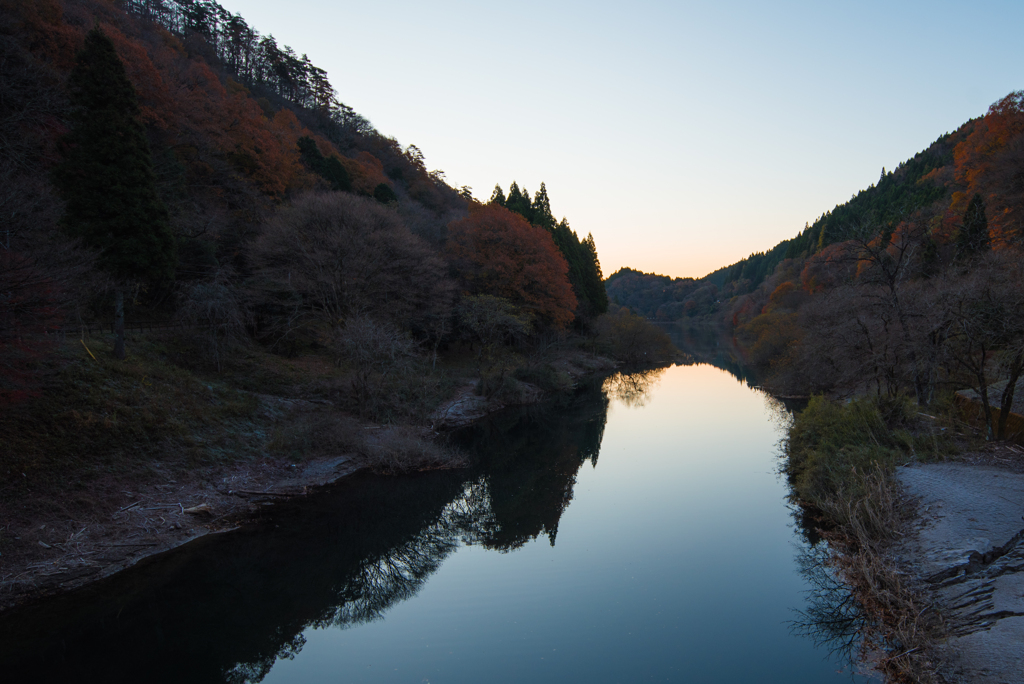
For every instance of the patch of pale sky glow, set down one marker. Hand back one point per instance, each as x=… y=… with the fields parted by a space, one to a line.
x=683 y=135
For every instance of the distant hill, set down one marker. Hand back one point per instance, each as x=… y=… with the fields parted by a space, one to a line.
x=924 y=180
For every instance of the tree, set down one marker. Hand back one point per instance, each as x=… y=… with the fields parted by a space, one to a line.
x=519 y=202
x=384 y=194
x=328 y=168
x=498 y=196
x=106 y=176
x=335 y=255
x=973 y=237
x=984 y=331
x=541 y=209
x=499 y=253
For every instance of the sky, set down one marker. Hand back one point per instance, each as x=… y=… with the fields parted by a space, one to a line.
x=683 y=135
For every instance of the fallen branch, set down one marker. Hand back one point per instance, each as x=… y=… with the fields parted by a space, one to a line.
x=139 y=544
x=245 y=491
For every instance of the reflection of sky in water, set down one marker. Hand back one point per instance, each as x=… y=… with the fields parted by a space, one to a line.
x=674 y=562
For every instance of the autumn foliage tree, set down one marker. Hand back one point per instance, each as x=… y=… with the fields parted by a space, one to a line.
x=499 y=253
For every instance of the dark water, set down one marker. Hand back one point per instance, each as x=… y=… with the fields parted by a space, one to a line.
x=633 y=532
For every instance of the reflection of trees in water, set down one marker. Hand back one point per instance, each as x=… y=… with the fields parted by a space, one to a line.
x=386 y=580
x=633 y=389
x=529 y=459
x=710 y=345
x=832 y=618
x=237 y=603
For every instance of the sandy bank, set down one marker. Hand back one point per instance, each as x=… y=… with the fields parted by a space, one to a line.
x=968 y=551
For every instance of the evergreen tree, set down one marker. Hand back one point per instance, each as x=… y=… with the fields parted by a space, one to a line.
x=328 y=168
x=594 y=279
x=498 y=196
x=519 y=202
x=384 y=194
x=973 y=236
x=541 y=209
x=106 y=176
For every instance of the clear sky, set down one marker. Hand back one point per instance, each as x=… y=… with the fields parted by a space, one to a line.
x=683 y=135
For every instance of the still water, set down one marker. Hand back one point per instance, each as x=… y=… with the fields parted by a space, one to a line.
x=636 y=531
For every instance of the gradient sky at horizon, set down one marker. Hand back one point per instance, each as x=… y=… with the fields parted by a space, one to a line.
x=683 y=135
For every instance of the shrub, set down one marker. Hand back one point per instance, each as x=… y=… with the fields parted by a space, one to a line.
x=832 y=447
x=402 y=450
x=631 y=339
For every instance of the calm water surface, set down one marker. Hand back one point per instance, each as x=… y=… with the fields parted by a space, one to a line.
x=635 y=532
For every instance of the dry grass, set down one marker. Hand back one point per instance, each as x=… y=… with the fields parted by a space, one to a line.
x=392 y=451
x=841 y=460
x=901 y=622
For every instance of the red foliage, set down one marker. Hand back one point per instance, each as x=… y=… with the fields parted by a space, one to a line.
x=498 y=252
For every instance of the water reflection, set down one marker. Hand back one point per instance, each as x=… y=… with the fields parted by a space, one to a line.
x=832 y=620
x=713 y=346
x=633 y=389
x=226 y=608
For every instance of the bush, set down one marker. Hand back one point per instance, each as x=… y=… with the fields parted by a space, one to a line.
x=545 y=376
x=832 y=447
x=631 y=339
x=396 y=450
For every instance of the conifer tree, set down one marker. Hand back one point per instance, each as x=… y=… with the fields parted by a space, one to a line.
x=519 y=202
x=328 y=168
x=973 y=236
x=106 y=176
x=384 y=194
x=541 y=209
x=498 y=196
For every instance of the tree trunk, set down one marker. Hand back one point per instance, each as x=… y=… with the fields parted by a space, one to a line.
x=119 y=323
x=990 y=433
x=1006 y=401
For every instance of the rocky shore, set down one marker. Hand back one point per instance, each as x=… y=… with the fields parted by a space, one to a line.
x=967 y=552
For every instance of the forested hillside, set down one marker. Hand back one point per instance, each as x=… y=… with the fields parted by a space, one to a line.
x=932 y=191
x=164 y=162
x=912 y=287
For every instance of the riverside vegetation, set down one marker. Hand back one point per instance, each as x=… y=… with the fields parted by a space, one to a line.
x=211 y=265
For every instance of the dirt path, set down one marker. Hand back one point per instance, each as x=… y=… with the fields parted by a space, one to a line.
x=969 y=549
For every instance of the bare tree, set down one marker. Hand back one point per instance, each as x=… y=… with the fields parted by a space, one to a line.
x=215 y=312
x=984 y=330
x=335 y=255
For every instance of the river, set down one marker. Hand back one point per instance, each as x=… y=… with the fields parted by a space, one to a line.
x=636 y=531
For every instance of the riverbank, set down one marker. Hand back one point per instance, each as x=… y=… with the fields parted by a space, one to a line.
x=924 y=522
x=966 y=552
x=122 y=461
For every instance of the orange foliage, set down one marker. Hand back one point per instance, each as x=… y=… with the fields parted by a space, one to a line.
x=990 y=162
x=366 y=171
x=498 y=252
x=830 y=267
x=786 y=296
